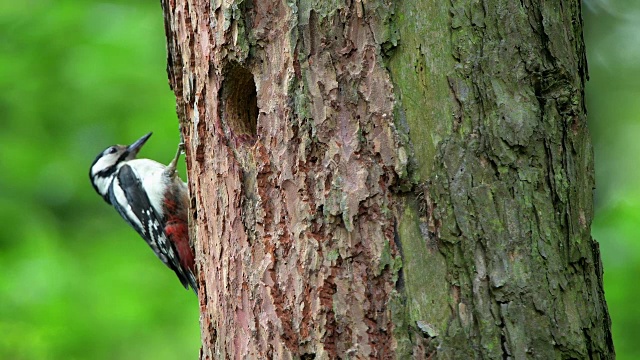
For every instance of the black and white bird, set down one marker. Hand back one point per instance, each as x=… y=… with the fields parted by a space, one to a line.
x=151 y=198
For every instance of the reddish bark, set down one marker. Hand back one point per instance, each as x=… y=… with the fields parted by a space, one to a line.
x=293 y=207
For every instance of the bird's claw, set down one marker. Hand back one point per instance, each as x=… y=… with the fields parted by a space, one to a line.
x=172 y=165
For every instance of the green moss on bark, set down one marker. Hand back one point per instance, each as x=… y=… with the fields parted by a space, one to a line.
x=424 y=272
x=491 y=94
x=419 y=73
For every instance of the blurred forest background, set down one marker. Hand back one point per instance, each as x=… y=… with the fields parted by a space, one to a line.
x=612 y=36
x=77 y=76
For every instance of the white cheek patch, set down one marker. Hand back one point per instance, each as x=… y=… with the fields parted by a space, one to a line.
x=103 y=163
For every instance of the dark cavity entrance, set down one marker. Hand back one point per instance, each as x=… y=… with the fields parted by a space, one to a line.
x=239 y=101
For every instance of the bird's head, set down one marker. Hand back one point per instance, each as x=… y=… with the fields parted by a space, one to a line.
x=108 y=161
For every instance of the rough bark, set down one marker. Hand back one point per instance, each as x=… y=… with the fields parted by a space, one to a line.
x=389 y=179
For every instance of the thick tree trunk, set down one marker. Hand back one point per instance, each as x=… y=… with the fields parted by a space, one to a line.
x=389 y=179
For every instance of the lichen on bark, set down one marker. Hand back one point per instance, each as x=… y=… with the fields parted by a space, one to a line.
x=508 y=186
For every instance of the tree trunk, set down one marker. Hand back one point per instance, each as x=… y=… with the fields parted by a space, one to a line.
x=389 y=179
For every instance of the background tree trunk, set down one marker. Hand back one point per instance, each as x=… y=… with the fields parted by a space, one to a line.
x=389 y=179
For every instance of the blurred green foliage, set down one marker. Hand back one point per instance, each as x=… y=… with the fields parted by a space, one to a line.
x=77 y=76
x=75 y=281
x=612 y=36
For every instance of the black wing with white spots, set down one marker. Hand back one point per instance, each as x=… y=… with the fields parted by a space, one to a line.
x=127 y=189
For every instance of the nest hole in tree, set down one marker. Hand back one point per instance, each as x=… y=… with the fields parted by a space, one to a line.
x=239 y=101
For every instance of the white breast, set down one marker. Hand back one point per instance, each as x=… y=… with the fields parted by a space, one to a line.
x=151 y=173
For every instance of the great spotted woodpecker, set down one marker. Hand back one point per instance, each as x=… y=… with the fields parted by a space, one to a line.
x=151 y=198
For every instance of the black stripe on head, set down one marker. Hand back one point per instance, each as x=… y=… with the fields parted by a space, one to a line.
x=109 y=171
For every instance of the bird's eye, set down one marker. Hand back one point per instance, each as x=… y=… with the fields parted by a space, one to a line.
x=111 y=150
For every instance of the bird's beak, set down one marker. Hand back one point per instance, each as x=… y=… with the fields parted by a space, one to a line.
x=136 y=146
